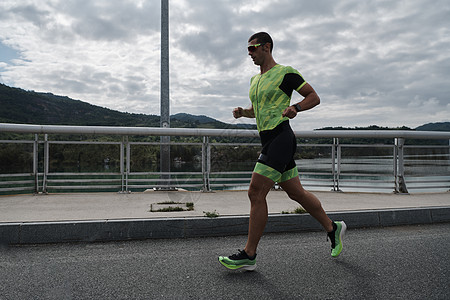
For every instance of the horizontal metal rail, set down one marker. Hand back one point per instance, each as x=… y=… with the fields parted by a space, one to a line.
x=335 y=172
x=157 y=131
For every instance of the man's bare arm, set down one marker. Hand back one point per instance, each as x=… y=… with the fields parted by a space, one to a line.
x=243 y=112
x=311 y=100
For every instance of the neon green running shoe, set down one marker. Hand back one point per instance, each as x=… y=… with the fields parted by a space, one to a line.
x=336 y=236
x=240 y=260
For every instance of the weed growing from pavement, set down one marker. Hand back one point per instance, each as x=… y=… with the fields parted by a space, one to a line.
x=169 y=202
x=298 y=210
x=213 y=214
x=169 y=209
x=189 y=206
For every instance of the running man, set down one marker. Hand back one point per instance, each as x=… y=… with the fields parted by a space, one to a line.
x=270 y=95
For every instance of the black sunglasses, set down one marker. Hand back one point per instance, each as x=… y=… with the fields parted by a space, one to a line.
x=252 y=48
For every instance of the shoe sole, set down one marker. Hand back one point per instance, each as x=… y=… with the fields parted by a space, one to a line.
x=341 y=235
x=233 y=267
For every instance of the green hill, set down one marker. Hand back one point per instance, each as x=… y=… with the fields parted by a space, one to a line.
x=29 y=107
x=20 y=106
x=441 y=126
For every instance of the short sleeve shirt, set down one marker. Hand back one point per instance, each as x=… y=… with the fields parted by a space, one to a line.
x=270 y=94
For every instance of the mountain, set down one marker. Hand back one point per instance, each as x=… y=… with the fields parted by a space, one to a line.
x=202 y=121
x=29 y=107
x=187 y=117
x=371 y=127
x=441 y=126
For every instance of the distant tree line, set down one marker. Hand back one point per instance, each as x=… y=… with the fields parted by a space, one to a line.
x=29 y=107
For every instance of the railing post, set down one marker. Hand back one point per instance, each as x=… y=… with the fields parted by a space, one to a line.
x=128 y=165
x=36 y=163
x=46 y=162
x=336 y=164
x=206 y=163
x=122 y=162
x=400 y=184
x=333 y=163
x=395 y=164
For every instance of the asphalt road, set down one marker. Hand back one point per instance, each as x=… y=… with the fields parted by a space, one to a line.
x=407 y=262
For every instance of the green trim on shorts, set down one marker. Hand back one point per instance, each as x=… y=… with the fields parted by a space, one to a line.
x=289 y=174
x=273 y=174
x=267 y=171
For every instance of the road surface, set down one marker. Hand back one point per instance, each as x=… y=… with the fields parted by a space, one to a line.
x=405 y=262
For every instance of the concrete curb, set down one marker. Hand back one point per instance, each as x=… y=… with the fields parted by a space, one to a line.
x=134 y=229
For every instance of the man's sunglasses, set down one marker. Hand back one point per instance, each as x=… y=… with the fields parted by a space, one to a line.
x=252 y=48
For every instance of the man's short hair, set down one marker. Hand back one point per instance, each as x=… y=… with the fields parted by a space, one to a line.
x=262 y=37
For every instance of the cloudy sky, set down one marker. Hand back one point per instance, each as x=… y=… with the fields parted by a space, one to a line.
x=383 y=63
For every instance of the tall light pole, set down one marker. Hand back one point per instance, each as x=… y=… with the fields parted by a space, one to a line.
x=165 y=99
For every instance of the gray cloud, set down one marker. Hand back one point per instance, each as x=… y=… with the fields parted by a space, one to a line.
x=372 y=62
x=116 y=20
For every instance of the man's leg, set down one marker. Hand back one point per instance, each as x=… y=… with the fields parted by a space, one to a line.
x=335 y=230
x=309 y=201
x=257 y=192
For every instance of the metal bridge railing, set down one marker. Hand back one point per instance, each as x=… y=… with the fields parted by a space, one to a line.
x=398 y=168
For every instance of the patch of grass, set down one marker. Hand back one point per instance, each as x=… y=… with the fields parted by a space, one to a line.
x=169 y=202
x=213 y=214
x=178 y=206
x=298 y=210
x=169 y=209
x=190 y=205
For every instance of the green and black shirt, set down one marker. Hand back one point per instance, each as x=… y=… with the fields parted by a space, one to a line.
x=270 y=94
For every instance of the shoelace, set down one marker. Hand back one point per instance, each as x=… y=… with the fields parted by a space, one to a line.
x=239 y=255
